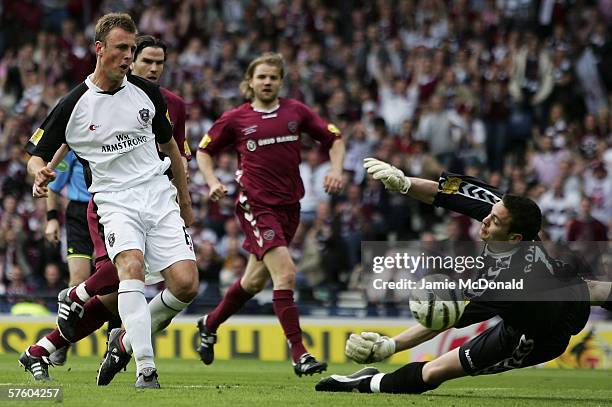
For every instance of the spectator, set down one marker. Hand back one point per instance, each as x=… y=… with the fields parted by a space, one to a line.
x=546 y=161
x=358 y=148
x=51 y=285
x=80 y=58
x=585 y=227
x=557 y=209
x=598 y=187
x=232 y=270
x=397 y=101
x=435 y=129
x=18 y=288
x=15 y=173
x=232 y=234
x=312 y=171
x=209 y=265
x=532 y=78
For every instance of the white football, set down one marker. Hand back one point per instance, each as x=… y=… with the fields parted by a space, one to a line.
x=436 y=309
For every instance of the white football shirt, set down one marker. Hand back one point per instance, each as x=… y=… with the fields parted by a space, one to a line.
x=114 y=134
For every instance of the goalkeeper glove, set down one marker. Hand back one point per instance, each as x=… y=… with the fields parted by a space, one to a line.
x=393 y=178
x=369 y=347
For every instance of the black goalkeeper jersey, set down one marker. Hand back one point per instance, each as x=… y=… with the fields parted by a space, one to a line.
x=552 y=298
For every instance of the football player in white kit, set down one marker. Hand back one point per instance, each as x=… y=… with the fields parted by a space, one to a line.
x=114 y=122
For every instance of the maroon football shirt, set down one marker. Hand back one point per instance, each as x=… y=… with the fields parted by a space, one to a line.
x=176 y=111
x=268 y=146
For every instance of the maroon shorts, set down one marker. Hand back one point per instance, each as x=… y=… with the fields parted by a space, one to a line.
x=96 y=231
x=266 y=227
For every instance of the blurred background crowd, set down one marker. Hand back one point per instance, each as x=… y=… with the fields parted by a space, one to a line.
x=516 y=92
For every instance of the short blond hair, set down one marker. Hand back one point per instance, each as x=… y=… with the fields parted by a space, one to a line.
x=109 y=21
x=269 y=58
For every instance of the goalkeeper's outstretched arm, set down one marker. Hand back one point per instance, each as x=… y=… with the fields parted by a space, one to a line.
x=423 y=190
x=413 y=336
x=394 y=180
x=371 y=347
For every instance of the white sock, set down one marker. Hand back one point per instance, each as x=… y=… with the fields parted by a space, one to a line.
x=81 y=292
x=375 y=382
x=163 y=307
x=136 y=319
x=47 y=344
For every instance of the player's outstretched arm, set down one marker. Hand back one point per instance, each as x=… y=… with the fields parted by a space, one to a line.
x=395 y=181
x=371 y=347
x=332 y=183
x=206 y=166
x=180 y=179
x=413 y=336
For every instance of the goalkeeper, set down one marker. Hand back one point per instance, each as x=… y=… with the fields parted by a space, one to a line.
x=529 y=333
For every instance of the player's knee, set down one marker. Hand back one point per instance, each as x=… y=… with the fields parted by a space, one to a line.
x=442 y=369
x=185 y=287
x=286 y=279
x=254 y=284
x=131 y=268
x=191 y=289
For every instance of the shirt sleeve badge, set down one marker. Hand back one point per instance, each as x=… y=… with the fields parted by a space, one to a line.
x=451 y=185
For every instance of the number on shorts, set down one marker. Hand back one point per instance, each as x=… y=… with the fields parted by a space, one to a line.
x=187 y=237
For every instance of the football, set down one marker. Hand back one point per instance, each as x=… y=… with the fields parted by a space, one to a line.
x=436 y=307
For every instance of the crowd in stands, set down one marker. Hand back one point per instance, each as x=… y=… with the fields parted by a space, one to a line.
x=516 y=92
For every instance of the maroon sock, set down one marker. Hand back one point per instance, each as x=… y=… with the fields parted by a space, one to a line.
x=74 y=297
x=287 y=313
x=55 y=338
x=234 y=299
x=38 y=351
x=103 y=281
x=94 y=315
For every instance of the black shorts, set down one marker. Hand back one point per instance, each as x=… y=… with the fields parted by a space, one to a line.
x=77 y=231
x=524 y=342
x=503 y=347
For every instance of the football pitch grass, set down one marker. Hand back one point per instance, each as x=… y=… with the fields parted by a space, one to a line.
x=254 y=383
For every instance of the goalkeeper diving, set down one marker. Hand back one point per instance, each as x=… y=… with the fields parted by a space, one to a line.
x=528 y=333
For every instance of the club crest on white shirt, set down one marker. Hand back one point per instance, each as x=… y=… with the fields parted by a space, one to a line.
x=143 y=117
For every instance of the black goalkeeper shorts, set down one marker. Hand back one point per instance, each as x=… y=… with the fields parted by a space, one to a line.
x=503 y=347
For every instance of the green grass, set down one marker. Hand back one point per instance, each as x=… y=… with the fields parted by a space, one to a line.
x=247 y=382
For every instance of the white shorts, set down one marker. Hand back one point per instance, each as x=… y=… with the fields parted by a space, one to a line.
x=145 y=218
